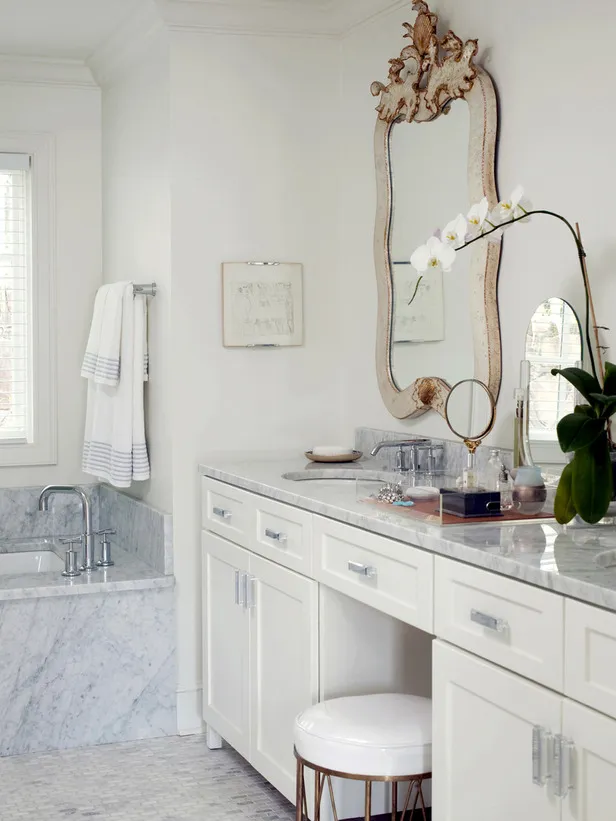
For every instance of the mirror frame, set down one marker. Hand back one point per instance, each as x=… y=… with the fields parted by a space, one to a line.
x=423 y=96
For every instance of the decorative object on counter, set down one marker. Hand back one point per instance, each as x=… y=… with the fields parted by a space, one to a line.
x=471 y=504
x=470 y=412
x=333 y=453
x=529 y=492
x=262 y=304
x=391 y=494
x=586 y=485
x=433 y=75
x=493 y=470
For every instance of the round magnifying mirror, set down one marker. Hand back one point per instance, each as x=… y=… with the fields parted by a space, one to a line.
x=469 y=411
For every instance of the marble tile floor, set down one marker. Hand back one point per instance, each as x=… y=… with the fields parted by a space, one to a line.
x=166 y=779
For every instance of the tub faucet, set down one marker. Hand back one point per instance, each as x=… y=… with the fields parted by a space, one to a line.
x=86 y=512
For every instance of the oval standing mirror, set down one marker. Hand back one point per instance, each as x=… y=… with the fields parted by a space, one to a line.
x=553 y=340
x=434 y=151
x=469 y=411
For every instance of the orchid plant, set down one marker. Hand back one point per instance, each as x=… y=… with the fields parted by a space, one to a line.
x=586 y=485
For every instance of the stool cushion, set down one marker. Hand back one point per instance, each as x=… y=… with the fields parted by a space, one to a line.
x=374 y=735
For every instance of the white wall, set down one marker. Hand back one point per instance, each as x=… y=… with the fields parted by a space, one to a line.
x=136 y=231
x=556 y=136
x=72 y=116
x=253 y=177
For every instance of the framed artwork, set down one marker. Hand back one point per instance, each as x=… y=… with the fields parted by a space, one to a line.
x=262 y=304
x=424 y=319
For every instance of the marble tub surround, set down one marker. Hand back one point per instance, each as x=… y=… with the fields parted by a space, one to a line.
x=76 y=671
x=562 y=559
x=140 y=528
x=20 y=515
x=451 y=461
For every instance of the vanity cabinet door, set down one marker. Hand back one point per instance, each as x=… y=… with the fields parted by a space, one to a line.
x=226 y=641
x=284 y=665
x=482 y=752
x=589 y=764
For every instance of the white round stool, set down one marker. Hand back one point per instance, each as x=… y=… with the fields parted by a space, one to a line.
x=365 y=738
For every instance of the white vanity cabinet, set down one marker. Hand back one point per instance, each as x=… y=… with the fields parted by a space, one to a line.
x=260 y=662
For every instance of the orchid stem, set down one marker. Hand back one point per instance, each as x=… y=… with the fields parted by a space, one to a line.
x=581 y=257
x=415 y=291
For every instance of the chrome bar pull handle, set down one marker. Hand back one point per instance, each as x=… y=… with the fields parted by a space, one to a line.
x=541 y=744
x=275 y=536
x=220 y=511
x=362 y=569
x=250 y=598
x=237 y=586
x=491 y=622
x=563 y=766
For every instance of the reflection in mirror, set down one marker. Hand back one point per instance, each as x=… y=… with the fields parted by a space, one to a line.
x=428 y=167
x=553 y=340
x=469 y=411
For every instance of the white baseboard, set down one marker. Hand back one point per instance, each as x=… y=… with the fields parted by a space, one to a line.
x=189 y=712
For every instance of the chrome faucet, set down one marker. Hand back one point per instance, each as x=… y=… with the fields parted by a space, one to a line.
x=88 y=563
x=406 y=455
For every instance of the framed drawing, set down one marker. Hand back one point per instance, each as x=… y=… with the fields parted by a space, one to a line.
x=262 y=304
x=424 y=319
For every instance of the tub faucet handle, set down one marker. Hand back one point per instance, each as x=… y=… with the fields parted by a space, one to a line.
x=71 y=565
x=105 y=559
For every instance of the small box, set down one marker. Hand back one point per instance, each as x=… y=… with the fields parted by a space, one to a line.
x=471 y=503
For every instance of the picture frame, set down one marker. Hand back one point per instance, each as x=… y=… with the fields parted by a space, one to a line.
x=262 y=304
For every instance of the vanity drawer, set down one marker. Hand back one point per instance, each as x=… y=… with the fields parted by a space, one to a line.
x=510 y=623
x=590 y=656
x=227 y=511
x=382 y=573
x=283 y=534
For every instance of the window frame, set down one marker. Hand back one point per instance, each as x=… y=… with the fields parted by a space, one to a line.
x=42 y=450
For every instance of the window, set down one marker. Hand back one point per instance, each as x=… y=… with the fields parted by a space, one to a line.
x=553 y=340
x=15 y=299
x=27 y=366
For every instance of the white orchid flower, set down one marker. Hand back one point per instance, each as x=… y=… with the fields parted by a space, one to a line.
x=455 y=231
x=433 y=256
x=511 y=208
x=477 y=215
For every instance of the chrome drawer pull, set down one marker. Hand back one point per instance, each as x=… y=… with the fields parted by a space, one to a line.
x=563 y=766
x=250 y=600
x=491 y=622
x=274 y=536
x=362 y=569
x=237 y=586
x=542 y=740
x=220 y=511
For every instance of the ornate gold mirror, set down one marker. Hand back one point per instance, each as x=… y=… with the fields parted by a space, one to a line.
x=434 y=150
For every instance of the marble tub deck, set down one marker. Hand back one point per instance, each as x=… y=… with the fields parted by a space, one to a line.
x=562 y=559
x=128 y=573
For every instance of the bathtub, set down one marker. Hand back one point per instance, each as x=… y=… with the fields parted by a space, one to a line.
x=29 y=561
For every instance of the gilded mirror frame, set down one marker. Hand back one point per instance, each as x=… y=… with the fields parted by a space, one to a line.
x=444 y=72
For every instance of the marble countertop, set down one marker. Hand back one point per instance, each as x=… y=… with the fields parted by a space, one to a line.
x=128 y=573
x=562 y=559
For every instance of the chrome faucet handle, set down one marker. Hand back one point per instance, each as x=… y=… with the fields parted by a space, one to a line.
x=72 y=539
x=105 y=559
x=71 y=565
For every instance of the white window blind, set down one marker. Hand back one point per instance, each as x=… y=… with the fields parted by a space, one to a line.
x=553 y=340
x=15 y=299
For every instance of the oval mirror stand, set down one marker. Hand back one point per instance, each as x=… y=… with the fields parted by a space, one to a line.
x=434 y=144
x=470 y=412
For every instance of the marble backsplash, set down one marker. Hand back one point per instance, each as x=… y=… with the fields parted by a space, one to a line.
x=140 y=528
x=451 y=460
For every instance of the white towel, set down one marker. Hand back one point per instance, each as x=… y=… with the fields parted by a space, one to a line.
x=101 y=360
x=115 y=448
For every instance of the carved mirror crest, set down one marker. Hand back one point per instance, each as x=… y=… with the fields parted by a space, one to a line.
x=434 y=145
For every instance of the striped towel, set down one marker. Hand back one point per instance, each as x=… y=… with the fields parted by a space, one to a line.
x=115 y=448
x=101 y=361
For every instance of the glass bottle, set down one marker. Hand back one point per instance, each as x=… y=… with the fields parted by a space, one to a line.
x=493 y=470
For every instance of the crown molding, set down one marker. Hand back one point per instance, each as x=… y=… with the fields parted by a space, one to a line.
x=45 y=71
x=128 y=44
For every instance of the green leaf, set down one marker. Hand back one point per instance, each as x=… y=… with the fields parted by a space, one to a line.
x=607 y=404
x=603 y=398
x=577 y=431
x=564 y=509
x=584 y=383
x=609 y=384
x=587 y=410
x=592 y=485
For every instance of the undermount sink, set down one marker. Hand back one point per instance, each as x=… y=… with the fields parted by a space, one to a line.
x=341 y=475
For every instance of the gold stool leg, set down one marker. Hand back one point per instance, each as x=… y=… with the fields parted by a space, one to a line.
x=394 y=800
x=299 y=790
x=319 y=780
x=368 y=811
x=421 y=798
